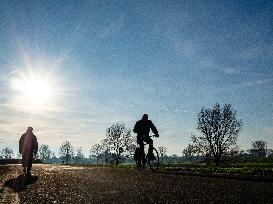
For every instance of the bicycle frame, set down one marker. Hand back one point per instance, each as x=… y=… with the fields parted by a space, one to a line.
x=153 y=162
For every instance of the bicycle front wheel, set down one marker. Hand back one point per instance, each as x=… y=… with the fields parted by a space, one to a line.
x=154 y=160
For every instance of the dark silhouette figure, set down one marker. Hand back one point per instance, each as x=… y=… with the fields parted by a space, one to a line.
x=18 y=184
x=142 y=128
x=28 y=146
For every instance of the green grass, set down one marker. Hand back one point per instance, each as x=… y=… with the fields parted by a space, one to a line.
x=237 y=168
x=246 y=169
x=229 y=170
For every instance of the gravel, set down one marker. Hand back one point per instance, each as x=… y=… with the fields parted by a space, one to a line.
x=65 y=184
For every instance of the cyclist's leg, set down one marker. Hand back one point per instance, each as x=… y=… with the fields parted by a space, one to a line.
x=149 y=141
x=141 y=146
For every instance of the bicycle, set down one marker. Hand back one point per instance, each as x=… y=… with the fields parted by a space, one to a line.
x=142 y=160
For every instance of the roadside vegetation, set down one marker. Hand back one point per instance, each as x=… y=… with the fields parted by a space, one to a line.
x=213 y=150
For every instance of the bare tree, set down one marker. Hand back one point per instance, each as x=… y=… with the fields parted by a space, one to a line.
x=259 y=148
x=131 y=149
x=7 y=153
x=44 y=152
x=220 y=129
x=66 y=151
x=96 y=151
x=162 y=151
x=235 y=152
x=189 y=152
x=270 y=153
x=106 y=154
x=119 y=141
x=79 y=155
x=19 y=156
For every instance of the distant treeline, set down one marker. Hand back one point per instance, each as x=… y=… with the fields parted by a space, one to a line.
x=218 y=126
x=257 y=153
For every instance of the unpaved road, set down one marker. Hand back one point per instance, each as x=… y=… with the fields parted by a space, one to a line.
x=65 y=184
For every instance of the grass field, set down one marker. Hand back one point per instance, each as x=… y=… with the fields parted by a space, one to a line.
x=262 y=169
x=265 y=169
x=249 y=170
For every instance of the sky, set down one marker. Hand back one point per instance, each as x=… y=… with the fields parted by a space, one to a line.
x=103 y=62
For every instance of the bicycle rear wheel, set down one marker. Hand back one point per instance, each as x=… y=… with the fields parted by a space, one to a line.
x=154 y=162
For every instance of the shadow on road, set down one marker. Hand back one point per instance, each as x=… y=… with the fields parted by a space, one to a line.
x=18 y=184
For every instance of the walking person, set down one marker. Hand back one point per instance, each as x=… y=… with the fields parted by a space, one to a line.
x=28 y=146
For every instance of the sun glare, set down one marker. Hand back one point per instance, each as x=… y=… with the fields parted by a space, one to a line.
x=37 y=90
x=33 y=91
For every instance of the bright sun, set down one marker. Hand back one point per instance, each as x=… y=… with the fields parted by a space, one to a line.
x=32 y=90
x=37 y=90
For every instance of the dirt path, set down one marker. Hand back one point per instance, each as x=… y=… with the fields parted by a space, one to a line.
x=64 y=184
x=7 y=195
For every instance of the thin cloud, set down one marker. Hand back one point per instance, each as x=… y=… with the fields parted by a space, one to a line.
x=186 y=49
x=39 y=111
x=13 y=72
x=261 y=51
x=249 y=54
x=193 y=52
x=268 y=130
x=9 y=105
x=231 y=71
x=208 y=62
x=245 y=85
x=113 y=27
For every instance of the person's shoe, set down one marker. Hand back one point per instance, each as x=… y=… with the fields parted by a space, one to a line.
x=28 y=174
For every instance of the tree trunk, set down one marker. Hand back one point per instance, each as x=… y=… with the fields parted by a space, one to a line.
x=217 y=160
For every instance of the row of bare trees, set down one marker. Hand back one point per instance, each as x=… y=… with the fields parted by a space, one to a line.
x=257 y=151
x=68 y=152
x=43 y=153
x=116 y=146
x=220 y=128
x=6 y=153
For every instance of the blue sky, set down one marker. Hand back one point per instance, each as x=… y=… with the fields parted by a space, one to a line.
x=112 y=61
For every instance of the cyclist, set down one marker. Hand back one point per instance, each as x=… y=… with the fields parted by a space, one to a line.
x=142 y=128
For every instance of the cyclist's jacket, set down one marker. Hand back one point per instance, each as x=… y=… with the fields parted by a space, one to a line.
x=142 y=128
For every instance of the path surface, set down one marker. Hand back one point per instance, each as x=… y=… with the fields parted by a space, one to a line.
x=65 y=184
x=7 y=195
